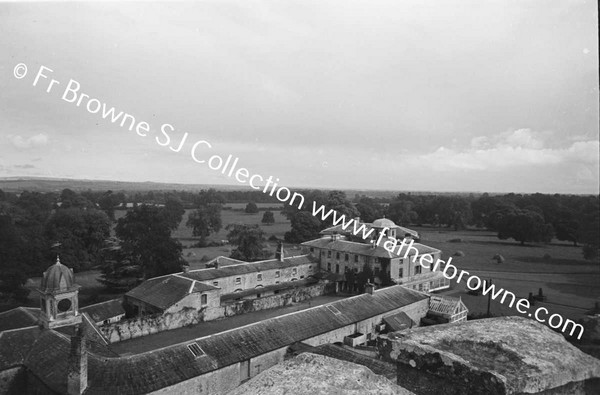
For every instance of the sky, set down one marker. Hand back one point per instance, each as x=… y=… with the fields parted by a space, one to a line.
x=456 y=95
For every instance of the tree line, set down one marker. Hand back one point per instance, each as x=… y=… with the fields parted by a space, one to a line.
x=522 y=217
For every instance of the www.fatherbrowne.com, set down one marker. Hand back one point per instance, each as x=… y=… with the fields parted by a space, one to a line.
x=473 y=282
x=229 y=167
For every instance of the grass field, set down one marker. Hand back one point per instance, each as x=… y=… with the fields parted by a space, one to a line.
x=571 y=284
x=233 y=213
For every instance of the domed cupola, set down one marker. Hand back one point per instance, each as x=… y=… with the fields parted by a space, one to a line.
x=59 y=300
x=382 y=223
x=58 y=278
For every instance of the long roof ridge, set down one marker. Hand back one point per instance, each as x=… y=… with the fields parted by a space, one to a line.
x=274 y=319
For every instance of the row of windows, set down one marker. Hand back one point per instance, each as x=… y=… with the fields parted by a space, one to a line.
x=259 y=276
x=338 y=256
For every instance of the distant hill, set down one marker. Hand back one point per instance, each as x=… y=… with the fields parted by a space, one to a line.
x=43 y=184
x=18 y=184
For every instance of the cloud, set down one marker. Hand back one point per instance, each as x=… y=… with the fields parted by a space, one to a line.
x=27 y=166
x=522 y=147
x=37 y=140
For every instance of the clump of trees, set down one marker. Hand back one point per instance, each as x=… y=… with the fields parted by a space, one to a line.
x=250 y=242
x=268 y=218
x=251 y=208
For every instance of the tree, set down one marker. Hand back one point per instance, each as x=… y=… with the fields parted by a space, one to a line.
x=210 y=196
x=525 y=226
x=369 y=209
x=304 y=227
x=13 y=260
x=268 y=218
x=81 y=234
x=249 y=240
x=205 y=220
x=118 y=273
x=251 y=208
x=402 y=212
x=146 y=240
x=173 y=211
x=364 y=276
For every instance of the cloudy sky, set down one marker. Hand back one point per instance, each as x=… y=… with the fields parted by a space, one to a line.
x=457 y=95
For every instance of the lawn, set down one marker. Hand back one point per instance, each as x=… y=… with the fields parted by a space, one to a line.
x=571 y=284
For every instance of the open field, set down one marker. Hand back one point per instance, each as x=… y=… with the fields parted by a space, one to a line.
x=234 y=214
x=571 y=284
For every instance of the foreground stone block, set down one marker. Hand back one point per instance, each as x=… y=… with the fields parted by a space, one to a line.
x=505 y=355
x=317 y=374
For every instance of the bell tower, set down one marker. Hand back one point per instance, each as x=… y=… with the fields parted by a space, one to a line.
x=59 y=297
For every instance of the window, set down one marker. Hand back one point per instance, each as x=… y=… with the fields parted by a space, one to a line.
x=196 y=350
x=355 y=258
x=418 y=269
x=328 y=254
x=259 y=277
x=312 y=249
x=277 y=274
x=333 y=309
x=355 y=270
x=216 y=283
x=337 y=255
x=346 y=257
x=301 y=277
x=400 y=272
x=238 y=280
x=328 y=266
x=337 y=268
x=204 y=299
x=378 y=270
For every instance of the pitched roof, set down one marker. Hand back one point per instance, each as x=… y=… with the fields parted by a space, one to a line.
x=45 y=352
x=338 y=229
x=15 y=346
x=245 y=268
x=104 y=310
x=399 y=321
x=445 y=305
x=20 y=317
x=163 y=292
x=367 y=249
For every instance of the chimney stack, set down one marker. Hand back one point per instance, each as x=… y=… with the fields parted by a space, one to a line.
x=279 y=253
x=77 y=378
x=185 y=268
x=369 y=288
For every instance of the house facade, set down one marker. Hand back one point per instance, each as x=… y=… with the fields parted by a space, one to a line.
x=337 y=255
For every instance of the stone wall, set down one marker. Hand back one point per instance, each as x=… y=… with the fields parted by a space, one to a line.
x=147 y=325
x=150 y=324
x=269 y=302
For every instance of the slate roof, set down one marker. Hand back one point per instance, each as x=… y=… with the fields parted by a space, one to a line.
x=398 y=322
x=245 y=268
x=163 y=292
x=45 y=352
x=223 y=261
x=102 y=311
x=282 y=286
x=20 y=317
x=164 y=367
x=338 y=229
x=352 y=247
